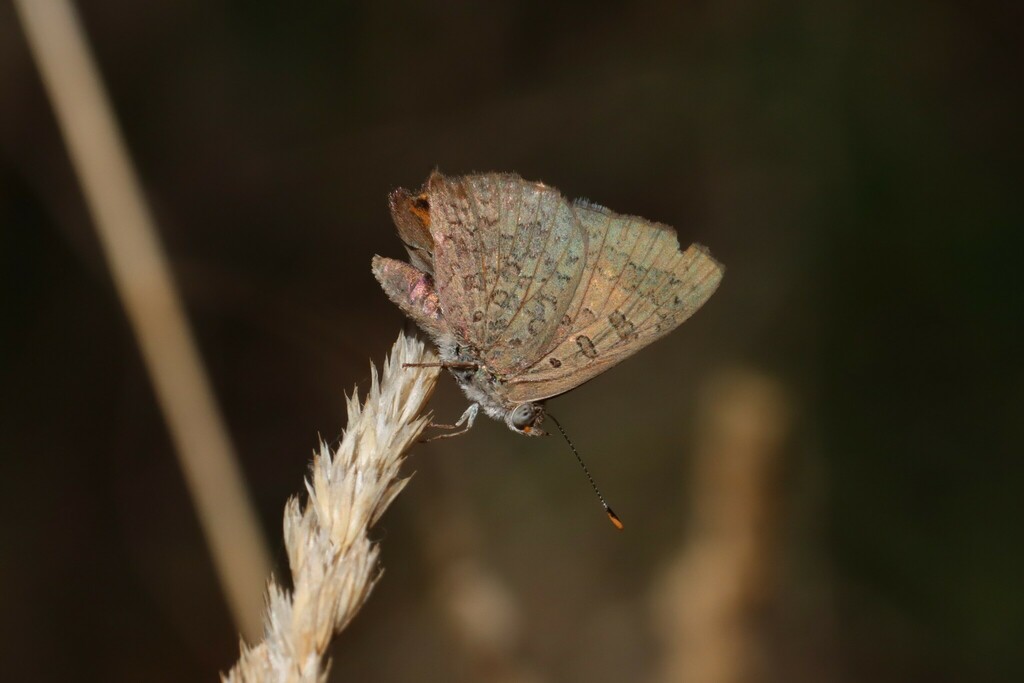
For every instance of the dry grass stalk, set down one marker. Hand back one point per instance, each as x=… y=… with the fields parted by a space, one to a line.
x=332 y=559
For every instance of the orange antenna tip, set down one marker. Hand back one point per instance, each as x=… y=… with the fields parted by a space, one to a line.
x=615 y=519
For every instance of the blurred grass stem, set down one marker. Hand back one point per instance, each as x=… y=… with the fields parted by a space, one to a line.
x=713 y=601
x=144 y=283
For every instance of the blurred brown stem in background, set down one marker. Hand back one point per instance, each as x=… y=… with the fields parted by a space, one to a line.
x=482 y=612
x=711 y=603
x=333 y=561
x=146 y=288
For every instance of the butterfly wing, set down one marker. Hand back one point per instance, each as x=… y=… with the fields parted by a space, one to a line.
x=508 y=257
x=411 y=215
x=638 y=286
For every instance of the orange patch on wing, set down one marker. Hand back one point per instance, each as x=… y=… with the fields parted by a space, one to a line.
x=420 y=207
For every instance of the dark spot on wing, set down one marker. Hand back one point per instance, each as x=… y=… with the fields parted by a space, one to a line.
x=586 y=346
x=624 y=328
x=586 y=317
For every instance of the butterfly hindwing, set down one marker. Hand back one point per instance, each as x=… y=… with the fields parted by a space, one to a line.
x=637 y=287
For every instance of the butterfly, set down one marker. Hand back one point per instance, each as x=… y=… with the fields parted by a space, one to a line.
x=528 y=295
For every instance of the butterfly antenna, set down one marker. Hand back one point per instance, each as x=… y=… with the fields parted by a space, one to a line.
x=607 y=509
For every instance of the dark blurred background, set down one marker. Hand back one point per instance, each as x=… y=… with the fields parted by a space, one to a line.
x=819 y=473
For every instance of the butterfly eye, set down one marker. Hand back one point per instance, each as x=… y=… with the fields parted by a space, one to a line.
x=524 y=415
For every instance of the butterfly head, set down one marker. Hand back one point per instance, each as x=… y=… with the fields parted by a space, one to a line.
x=526 y=419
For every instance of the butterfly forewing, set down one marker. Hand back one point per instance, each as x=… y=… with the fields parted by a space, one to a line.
x=462 y=251
x=636 y=288
x=527 y=253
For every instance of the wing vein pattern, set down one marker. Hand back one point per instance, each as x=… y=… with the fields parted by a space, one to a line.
x=559 y=291
x=640 y=286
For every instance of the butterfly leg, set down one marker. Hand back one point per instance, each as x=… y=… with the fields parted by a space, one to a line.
x=468 y=418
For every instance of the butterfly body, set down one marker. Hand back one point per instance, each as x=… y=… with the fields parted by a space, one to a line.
x=528 y=295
